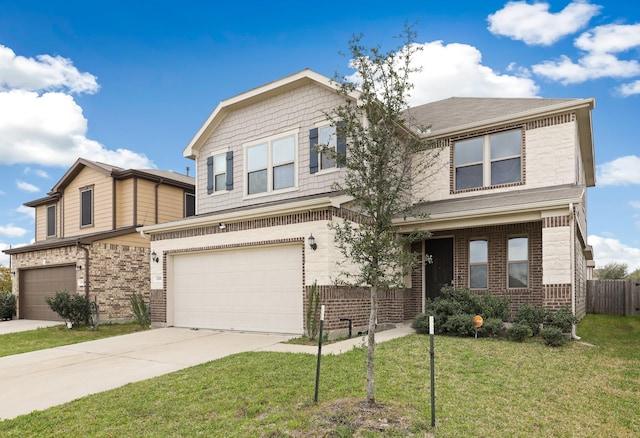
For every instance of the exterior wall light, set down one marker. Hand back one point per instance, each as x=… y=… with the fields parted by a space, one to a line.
x=154 y=257
x=222 y=226
x=78 y=267
x=312 y=242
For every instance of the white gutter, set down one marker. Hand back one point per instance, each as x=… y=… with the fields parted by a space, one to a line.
x=258 y=212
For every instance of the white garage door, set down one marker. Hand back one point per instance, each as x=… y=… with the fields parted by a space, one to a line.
x=252 y=289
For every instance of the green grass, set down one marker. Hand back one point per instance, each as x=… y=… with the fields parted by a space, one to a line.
x=56 y=336
x=484 y=387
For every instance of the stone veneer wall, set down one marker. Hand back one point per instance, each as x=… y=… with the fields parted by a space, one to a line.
x=115 y=272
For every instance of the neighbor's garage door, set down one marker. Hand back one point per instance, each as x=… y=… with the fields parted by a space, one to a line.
x=253 y=289
x=36 y=284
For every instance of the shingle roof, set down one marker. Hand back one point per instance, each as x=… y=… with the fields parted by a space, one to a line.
x=448 y=114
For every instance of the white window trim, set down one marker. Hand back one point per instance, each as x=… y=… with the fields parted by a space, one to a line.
x=527 y=260
x=214 y=154
x=487 y=161
x=269 y=140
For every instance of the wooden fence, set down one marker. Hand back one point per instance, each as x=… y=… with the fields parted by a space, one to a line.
x=613 y=297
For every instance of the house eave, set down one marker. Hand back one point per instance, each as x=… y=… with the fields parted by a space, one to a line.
x=247 y=214
x=484 y=216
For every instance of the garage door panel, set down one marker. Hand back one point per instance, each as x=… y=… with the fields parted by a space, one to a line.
x=252 y=289
x=36 y=284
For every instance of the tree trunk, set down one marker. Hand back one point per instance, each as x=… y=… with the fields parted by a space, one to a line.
x=371 y=346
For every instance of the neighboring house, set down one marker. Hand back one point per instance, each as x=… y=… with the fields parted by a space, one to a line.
x=507 y=210
x=86 y=240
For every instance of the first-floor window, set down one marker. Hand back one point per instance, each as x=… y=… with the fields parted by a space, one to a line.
x=478 y=267
x=51 y=220
x=518 y=261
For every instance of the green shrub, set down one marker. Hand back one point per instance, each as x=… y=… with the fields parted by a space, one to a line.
x=140 y=310
x=459 y=325
x=530 y=315
x=519 y=332
x=74 y=308
x=563 y=319
x=485 y=304
x=492 y=328
x=553 y=336
x=421 y=324
x=7 y=305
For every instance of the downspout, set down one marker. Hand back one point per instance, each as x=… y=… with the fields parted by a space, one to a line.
x=86 y=268
x=572 y=246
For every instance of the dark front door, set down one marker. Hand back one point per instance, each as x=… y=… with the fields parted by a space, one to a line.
x=440 y=271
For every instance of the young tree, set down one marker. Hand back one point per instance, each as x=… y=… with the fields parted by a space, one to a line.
x=5 y=279
x=381 y=169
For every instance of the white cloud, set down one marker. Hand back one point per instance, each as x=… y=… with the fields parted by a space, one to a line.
x=603 y=46
x=41 y=123
x=12 y=231
x=626 y=90
x=456 y=70
x=608 y=250
x=27 y=187
x=635 y=204
x=30 y=212
x=535 y=25
x=43 y=73
x=621 y=171
x=610 y=38
x=38 y=172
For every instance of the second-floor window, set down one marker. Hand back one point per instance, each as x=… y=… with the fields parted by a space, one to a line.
x=189 y=204
x=86 y=206
x=271 y=164
x=489 y=160
x=325 y=144
x=220 y=172
x=51 y=220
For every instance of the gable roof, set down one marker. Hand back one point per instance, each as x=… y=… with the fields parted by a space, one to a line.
x=167 y=177
x=463 y=115
x=250 y=97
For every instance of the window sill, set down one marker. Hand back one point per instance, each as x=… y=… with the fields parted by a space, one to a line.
x=271 y=193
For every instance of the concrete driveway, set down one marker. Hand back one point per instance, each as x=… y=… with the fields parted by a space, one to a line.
x=23 y=325
x=45 y=378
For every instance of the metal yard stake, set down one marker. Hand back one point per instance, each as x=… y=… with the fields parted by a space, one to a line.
x=315 y=397
x=433 y=374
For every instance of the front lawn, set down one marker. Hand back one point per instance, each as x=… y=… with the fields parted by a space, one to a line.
x=484 y=387
x=57 y=336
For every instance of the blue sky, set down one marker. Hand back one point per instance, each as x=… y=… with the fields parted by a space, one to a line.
x=129 y=83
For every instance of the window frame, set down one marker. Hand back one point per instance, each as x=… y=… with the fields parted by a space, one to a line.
x=486 y=164
x=270 y=165
x=511 y=262
x=333 y=144
x=83 y=190
x=223 y=158
x=188 y=195
x=485 y=263
x=53 y=226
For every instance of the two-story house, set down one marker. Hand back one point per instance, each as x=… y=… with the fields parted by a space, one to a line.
x=507 y=209
x=86 y=240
